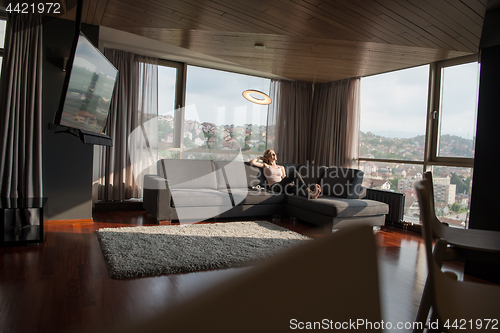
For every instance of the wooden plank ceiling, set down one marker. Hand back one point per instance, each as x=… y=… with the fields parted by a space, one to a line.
x=307 y=40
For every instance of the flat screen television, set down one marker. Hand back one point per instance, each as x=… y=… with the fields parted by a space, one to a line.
x=87 y=91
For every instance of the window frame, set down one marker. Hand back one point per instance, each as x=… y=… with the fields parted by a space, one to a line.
x=3 y=17
x=179 y=114
x=434 y=115
x=179 y=102
x=431 y=157
x=388 y=160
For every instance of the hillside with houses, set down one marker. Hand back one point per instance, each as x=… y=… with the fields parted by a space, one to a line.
x=412 y=149
x=206 y=135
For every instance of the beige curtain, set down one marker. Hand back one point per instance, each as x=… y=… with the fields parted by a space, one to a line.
x=132 y=112
x=21 y=108
x=289 y=120
x=335 y=123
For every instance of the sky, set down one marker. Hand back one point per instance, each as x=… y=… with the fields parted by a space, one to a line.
x=215 y=96
x=2 y=33
x=459 y=101
x=395 y=104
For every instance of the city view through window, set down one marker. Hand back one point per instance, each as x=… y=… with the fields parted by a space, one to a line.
x=393 y=127
x=218 y=120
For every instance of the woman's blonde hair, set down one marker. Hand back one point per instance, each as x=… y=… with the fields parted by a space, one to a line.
x=267 y=152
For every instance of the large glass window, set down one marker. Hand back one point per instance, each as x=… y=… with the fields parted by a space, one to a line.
x=458 y=110
x=166 y=102
x=393 y=114
x=3 y=23
x=203 y=115
x=452 y=188
x=218 y=120
x=408 y=128
x=167 y=86
x=170 y=92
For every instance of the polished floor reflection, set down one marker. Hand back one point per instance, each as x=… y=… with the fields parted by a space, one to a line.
x=63 y=284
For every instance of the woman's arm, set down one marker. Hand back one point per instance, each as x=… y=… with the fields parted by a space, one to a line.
x=257 y=164
x=283 y=172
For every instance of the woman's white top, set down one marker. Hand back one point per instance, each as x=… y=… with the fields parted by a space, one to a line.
x=273 y=175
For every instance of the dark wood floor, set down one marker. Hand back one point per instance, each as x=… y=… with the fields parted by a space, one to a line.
x=63 y=284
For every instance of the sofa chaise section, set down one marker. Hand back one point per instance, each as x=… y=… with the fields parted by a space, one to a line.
x=341 y=202
x=337 y=212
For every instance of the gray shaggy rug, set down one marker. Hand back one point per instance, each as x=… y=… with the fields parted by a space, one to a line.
x=146 y=251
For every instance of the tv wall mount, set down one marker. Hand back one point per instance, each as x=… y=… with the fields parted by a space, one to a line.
x=84 y=136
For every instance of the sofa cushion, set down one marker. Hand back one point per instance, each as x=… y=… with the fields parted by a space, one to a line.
x=288 y=166
x=255 y=176
x=238 y=174
x=311 y=174
x=338 y=207
x=254 y=197
x=342 y=182
x=188 y=174
x=200 y=198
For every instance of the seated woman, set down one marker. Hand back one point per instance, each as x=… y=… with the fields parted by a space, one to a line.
x=278 y=179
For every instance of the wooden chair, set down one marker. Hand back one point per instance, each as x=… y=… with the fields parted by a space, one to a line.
x=474 y=244
x=457 y=305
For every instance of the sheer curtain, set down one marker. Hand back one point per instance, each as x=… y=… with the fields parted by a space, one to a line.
x=289 y=120
x=130 y=125
x=335 y=123
x=21 y=108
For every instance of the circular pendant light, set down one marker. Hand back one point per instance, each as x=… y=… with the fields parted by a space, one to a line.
x=257 y=97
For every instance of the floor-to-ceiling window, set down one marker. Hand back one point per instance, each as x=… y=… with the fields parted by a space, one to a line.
x=3 y=23
x=421 y=119
x=205 y=116
x=201 y=114
x=170 y=101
